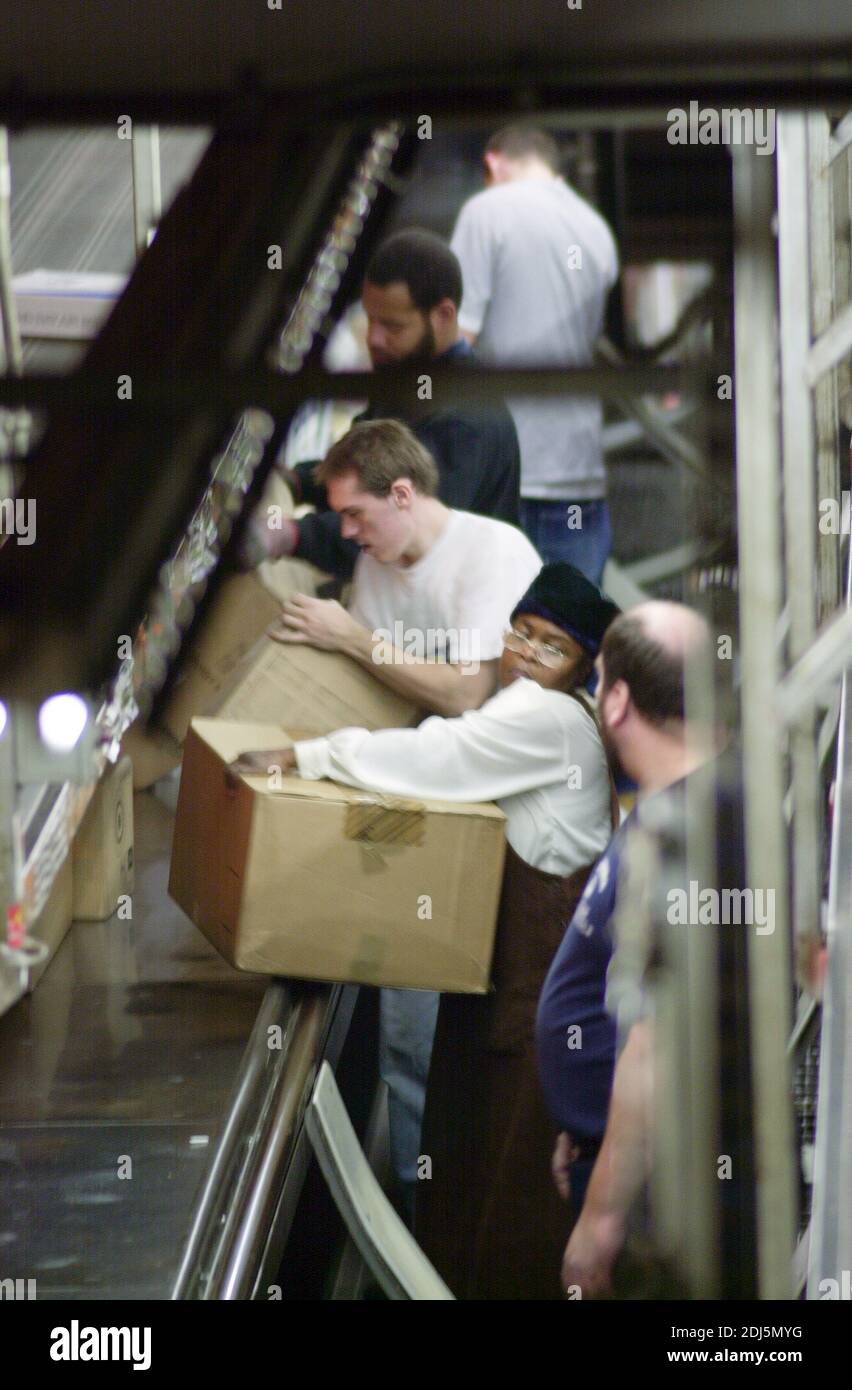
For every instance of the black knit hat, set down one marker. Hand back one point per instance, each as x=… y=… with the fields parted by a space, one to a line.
x=564 y=596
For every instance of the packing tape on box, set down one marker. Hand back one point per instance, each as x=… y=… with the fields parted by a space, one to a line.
x=385 y=821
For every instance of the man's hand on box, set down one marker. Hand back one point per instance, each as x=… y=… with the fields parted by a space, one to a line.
x=262 y=762
x=318 y=622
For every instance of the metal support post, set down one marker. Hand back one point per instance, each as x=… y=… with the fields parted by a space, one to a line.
x=831 y=1223
x=821 y=208
x=799 y=500
x=8 y=308
x=760 y=596
x=147 y=190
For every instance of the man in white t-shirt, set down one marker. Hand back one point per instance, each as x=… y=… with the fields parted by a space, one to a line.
x=432 y=596
x=538 y=263
x=433 y=588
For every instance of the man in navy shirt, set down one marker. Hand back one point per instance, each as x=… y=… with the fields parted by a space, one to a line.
x=641 y=708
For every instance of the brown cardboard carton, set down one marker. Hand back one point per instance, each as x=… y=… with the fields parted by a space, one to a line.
x=53 y=921
x=245 y=606
x=327 y=882
x=242 y=611
x=152 y=753
x=103 y=846
x=299 y=687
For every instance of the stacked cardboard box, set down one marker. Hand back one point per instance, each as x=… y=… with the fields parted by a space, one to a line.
x=245 y=606
x=299 y=687
x=103 y=847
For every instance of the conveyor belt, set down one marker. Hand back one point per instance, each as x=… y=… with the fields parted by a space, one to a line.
x=132 y=1047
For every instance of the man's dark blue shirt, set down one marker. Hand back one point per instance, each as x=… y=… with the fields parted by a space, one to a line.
x=576 y=1068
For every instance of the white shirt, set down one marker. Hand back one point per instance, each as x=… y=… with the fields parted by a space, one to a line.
x=536 y=752
x=538 y=262
x=455 y=602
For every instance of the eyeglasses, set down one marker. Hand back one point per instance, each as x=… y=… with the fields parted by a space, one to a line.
x=547 y=655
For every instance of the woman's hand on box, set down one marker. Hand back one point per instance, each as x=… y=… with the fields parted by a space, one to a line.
x=264 y=762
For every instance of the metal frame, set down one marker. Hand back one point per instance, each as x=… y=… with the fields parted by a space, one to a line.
x=243 y=1216
x=797 y=434
x=10 y=348
x=202 y=384
x=760 y=596
x=147 y=187
x=830 y=1250
x=816 y=340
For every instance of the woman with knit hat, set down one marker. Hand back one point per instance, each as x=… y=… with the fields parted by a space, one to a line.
x=489 y=1218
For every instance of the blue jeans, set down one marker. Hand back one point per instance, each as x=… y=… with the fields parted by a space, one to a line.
x=587 y=546
x=406 y=1033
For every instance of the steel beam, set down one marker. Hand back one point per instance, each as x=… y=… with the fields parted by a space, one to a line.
x=831 y=346
x=821 y=237
x=807 y=685
x=831 y=1222
x=842 y=137
x=760 y=595
x=147 y=188
x=8 y=309
x=799 y=500
x=272 y=391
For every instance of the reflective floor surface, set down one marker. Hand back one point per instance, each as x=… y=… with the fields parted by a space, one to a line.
x=114 y=1078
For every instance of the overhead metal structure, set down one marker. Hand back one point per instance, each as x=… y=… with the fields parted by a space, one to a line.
x=301 y=110
x=200 y=60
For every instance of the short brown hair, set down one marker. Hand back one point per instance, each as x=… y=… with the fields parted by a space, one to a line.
x=653 y=675
x=522 y=141
x=380 y=452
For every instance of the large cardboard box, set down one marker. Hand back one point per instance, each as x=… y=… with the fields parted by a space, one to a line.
x=327 y=882
x=266 y=681
x=245 y=607
x=103 y=846
x=241 y=613
x=316 y=692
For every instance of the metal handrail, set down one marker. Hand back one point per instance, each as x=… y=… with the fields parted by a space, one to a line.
x=274 y=1008
x=233 y=1272
x=230 y=1227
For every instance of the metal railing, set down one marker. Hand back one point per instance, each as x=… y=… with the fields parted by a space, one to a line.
x=240 y=1222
